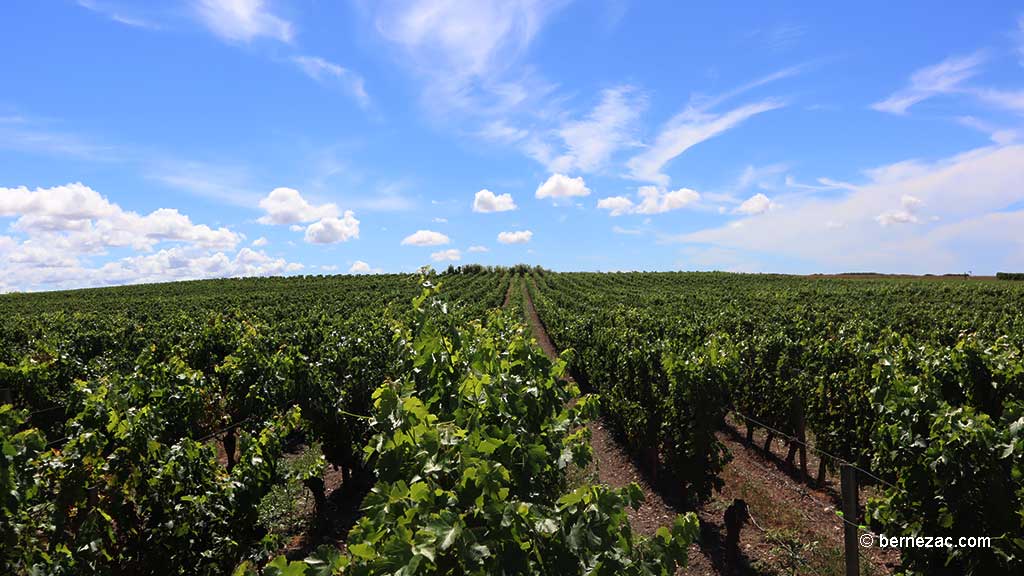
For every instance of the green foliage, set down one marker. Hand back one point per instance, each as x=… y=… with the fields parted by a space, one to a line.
x=918 y=381
x=952 y=434
x=149 y=423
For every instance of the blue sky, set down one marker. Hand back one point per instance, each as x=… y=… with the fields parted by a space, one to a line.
x=204 y=138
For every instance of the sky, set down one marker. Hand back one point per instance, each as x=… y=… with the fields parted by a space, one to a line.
x=155 y=141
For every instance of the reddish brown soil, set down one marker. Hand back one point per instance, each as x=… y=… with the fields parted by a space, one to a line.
x=508 y=293
x=797 y=529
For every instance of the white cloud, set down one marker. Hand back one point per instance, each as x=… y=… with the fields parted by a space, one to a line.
x=260 y=242
x=450 y=254
x=561 y=186
x=425 y=238
x=325 y=71
x=616 y=205
x=487 y=201
x=1019 y=37
x=961 y=205
x=243 y=20
x=765 y=177
x=114 y=14
x=477 y=249
x=590 y=143
x=906 y=214
x=223 y=183
x=627 y=231
x=439 y=220
x=653 y=200
x=657 y=201
x=33 y=268
x=685 y=130
x=79 y=219
x=1002 y=136
x=332 y=230
x=466 y=50
x=287 y=206
x=360 y=267
x=519 y=237
x=464 y=38
x=1012 y=100
x=501 y=131
x=756 y=204
x=941 y=78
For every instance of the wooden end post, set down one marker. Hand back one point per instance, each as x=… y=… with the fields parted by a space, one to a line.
x=848 y=478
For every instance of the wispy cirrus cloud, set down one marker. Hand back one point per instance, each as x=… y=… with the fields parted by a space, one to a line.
x=996 y=134
x=469 y=54
x=1018 y=37
x=243 y=20
x=698 y=123
x=26 y=134
x=942 y=78
x=590 y=142
x=911 y=217
x=118 y=14
x=686 y=130
x=327 y=72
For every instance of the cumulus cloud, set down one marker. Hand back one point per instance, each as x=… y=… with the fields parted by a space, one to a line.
x=487 y=201
x=519 y=237
x=60 y=235
x=657 y=201
x=450 y=254
x=425 y=238
x=941 y=78
x=961 y=213
x=653 y=200
x=287 y=206
x=686 y=130
x=478 y=249
x=32 y=268
x=360 y=267
x=560 y=186
x=78 y=217
x=756 y=204
x=333 y=230
x=616 y=205
x=243 y=20
x=904 y=215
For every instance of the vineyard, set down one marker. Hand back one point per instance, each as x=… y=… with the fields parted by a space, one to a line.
x=407 y=424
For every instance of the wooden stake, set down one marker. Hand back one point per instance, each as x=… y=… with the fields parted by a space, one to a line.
x=848 y=479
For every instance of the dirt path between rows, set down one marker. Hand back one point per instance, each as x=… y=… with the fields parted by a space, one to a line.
x=614 y=466
x=802 y=534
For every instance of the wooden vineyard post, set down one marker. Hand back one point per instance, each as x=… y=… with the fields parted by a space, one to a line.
x=801 y=435
x=848 y=478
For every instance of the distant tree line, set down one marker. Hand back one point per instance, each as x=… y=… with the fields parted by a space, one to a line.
x=481 y=269
x=1010 y=275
